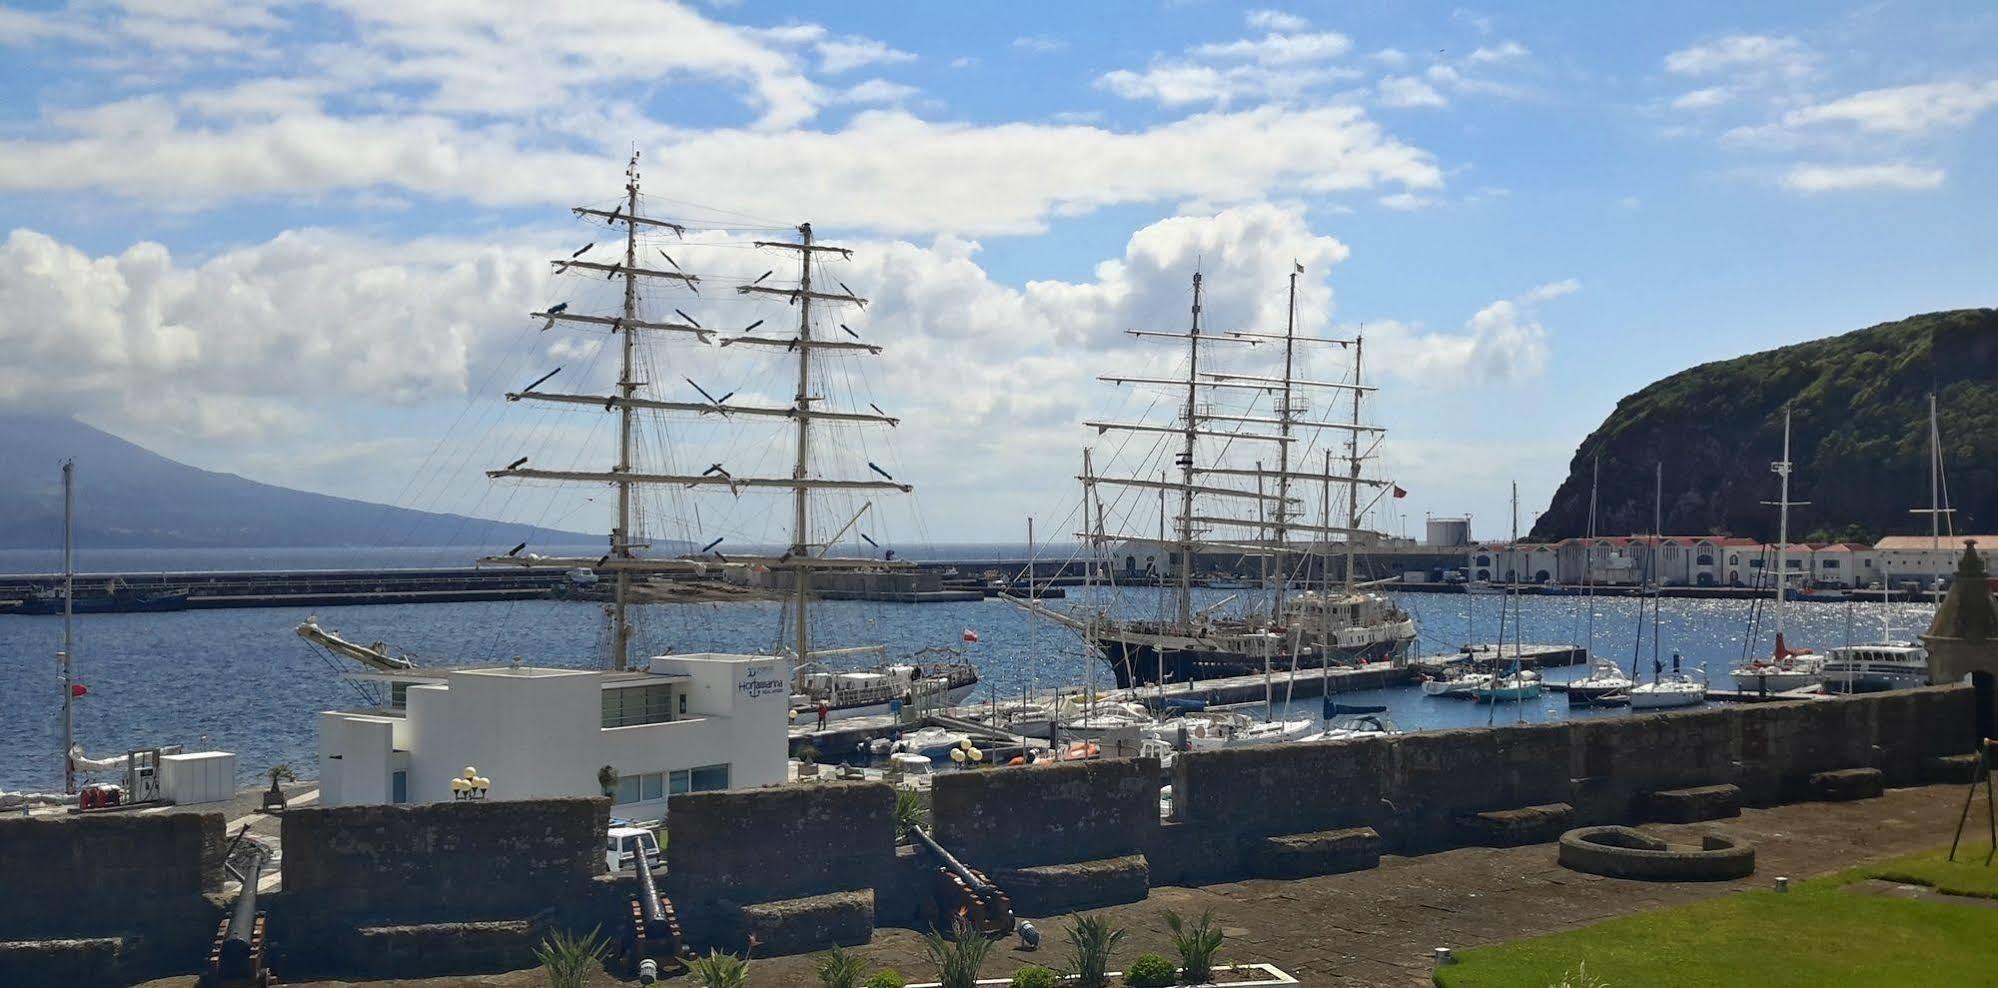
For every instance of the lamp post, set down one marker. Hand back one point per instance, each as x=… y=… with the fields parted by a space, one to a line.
x=470 y=786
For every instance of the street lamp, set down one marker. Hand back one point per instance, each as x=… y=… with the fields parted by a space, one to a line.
x=470 y=785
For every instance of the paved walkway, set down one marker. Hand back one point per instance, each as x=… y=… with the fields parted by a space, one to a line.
x=1378 y=927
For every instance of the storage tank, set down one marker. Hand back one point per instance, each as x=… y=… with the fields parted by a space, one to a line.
x=1447 y=532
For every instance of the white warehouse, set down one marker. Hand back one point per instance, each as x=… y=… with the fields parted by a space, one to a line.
x=685 y=723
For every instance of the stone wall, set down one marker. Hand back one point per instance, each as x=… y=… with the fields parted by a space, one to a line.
x=119 y=897
x=1047 y=814
x=442 y=861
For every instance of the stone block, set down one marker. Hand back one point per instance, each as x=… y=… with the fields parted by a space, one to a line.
x=1518 y=827
x=424 y=950
x=1047 y=814
x=1845 y=784
x=1695 y=804
x=1620 y=852
x=87 y=961
x=797 y=926
x=1048 y=890
x=1327 y=852
x=1958 y=769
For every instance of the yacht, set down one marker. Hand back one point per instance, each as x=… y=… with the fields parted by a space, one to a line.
x=1876 y=666
x=1350 y=728
x=1667 y=692
x=1460 y=683
x=1605 y=678
x=1521 y=684
x=1786 y=668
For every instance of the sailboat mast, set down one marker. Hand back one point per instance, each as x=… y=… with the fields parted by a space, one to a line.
x=627 y=386
x=1935 y=481
x=1353 y=465
x=801 y=541
x=1185 y=611
x=1657 y=542
x=1284 y=419
x=68 y=639
x=1783 y=504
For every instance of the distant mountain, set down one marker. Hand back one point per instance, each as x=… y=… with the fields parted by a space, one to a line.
x=1859 y=438
x=129 y=497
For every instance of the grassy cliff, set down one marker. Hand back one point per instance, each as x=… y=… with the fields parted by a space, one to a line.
x=1859 y=437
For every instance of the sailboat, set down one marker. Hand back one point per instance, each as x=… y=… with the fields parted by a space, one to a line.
x=641 y=404
x=1311 y=629
x=1605 y=679
x=1518 y=683
x=1676 y=689
x=1786 y=668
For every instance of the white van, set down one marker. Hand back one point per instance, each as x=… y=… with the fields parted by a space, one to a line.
x=624 y=844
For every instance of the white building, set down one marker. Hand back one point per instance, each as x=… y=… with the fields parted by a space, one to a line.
x=684 y=724
x=1924 y=560
x=1139 y=558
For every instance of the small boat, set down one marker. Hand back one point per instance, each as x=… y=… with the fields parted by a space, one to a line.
x=1818 y=595
x=933 y=743
x=1461 y=684
x=1483 y=586
x=1666 y=692
x=1874 y=667
x=1350 y=728
x=1519 y=685
x=117 y=599
x=1605 y=678
x=1780 y=675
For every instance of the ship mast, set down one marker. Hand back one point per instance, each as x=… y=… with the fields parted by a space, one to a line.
x=1782 y=469
x=1192 y=423
x=68 y=639
x=1286 y=416
x=620 y=540
x=1353 y=469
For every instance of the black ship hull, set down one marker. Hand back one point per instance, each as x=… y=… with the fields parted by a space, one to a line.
x=1140 y=663
x=105 y=604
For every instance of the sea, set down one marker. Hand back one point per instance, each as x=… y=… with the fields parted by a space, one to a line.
x=242 y=681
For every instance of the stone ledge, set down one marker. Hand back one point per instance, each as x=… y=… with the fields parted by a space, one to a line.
x=815 y=922
x=81 y=961
x=1517 y=827
x=1621 y=852
x=1846 y=784
x=1695 y=803
x=433 y=949
x=1952 y=768
x=1326 y=852
x=1046 y=890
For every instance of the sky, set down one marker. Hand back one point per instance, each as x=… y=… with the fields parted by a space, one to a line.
x=299 y=241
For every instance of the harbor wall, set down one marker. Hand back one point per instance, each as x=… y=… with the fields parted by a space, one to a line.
x=107 y=899
x=1055 y=814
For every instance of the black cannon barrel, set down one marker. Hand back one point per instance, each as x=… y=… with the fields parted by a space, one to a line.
x=648 y=893
x=238 y=958
x=956 y=867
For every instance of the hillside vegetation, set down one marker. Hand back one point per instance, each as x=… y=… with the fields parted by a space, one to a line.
x=1859 y=437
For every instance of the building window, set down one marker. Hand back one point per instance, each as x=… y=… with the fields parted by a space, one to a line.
x=1704 y=560
x=681 y=781
x=629 y=706
x=399 y=787
x=1794 y=563
x=683 y=704
x=636 y=788
x=707 y=778
x=398 y=696
x=1484 y=560
x=1831 y=564
x=651 y=785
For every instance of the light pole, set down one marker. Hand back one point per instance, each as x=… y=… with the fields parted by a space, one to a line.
x=470 y=786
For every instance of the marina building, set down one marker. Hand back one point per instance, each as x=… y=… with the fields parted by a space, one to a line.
x=1713 y=561
x=685 y=723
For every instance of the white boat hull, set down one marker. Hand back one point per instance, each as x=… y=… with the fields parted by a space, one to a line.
x=1773 y=680
x=1645 y=698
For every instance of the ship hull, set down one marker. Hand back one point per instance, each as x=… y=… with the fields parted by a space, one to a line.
x=1136 y=663
x=104 y=605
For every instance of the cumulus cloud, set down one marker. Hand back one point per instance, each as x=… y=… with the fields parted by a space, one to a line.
x=1844 y=178
x=1404 y=91
x=1746 y=54
x=1504 y=342
x=1903 y=110
x=838 y=55
x=1275 y=20
x=1039 y=44
x=1702 y=99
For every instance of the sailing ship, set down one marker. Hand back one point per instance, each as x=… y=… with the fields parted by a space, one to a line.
x=817 y=437
x=1786 y=668
x=1330 y=626
x=117 y=598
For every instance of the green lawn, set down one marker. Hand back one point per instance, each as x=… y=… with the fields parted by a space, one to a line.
x=1967 y=875
x=1813 y=935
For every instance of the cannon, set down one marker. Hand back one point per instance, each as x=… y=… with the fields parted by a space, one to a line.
x=236 y=960
x=654 y=926
x=962 y=891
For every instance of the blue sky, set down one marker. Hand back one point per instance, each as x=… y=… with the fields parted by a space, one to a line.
x=293 y=239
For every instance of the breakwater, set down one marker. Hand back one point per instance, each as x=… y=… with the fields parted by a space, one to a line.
x=402 y=890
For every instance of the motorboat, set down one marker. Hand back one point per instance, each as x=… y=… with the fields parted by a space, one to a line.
x=1354 y=727
x=1876 y=666
x=874 y=692
x=933 y=743
x=1605 y=678
x=1215 y=729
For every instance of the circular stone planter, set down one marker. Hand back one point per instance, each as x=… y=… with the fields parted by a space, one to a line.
x=1620 y=852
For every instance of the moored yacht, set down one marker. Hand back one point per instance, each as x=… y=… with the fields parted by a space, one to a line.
x=1605 y=678
x=1877 y=666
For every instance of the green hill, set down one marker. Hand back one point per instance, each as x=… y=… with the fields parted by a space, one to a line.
x=1859 y=437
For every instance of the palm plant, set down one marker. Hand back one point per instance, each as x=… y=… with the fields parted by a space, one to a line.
x=1092 y=940
x=569 y=958
x=958 y=958
x=719 y=970
x=908 y=813
x=1197 y=943
x=838 y=969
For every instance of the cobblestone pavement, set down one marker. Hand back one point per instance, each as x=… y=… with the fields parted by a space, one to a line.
x=1378 y=927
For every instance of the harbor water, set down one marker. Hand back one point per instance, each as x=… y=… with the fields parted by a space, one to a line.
x=240 y=680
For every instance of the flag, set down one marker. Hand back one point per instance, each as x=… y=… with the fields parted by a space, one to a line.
x=78 y=689
x=1299 y=265
x=1398 y=492
x=970 y=635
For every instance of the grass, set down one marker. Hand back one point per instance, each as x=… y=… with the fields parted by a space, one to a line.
x=1967 y=875
x=1813 y=935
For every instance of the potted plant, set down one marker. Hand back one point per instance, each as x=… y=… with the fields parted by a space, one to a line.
x=279 y=774
x=1092 y=941
x=1196 y=943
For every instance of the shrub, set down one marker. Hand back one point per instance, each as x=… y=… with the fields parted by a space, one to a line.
x=569 y=958
x=1196 y=943
x=838 y=969
x=1092 y=941
x=908 y=813
x=1580 y=978
x=889 y=978
x=719 y=970
x=1033 y=976
x=1151 y=971
x=958 y=958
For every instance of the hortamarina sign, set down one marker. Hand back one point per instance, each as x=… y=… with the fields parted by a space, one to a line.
x=759 y=681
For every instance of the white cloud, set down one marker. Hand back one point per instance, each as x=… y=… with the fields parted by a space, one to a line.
x=1906 y=110
x=877 y=91
x=1504 y=51
x=1747 y=53
x=1408 y=91
x=838 y=55
x=963 y=62
x=1504 y=342
x=1703 y=99
x=1275 y=20
x=1039 y=44
x=1843 y=178
x=1406 y=202
x=1392 y=57
x=1279 y=49
x=1181 y=83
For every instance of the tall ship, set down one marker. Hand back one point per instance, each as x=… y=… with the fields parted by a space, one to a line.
x=699 y=465
x=1240 y=445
